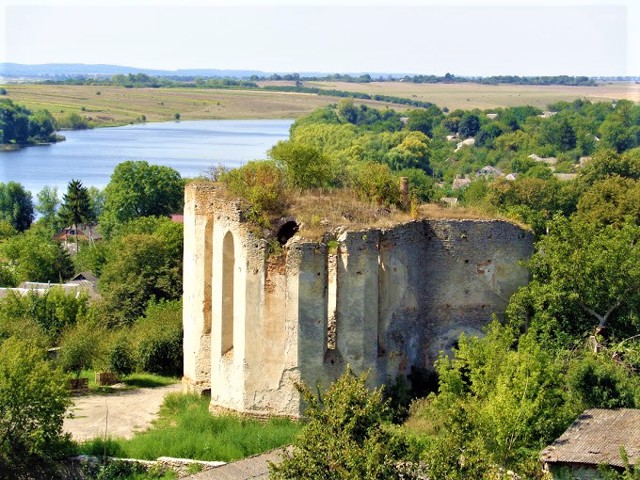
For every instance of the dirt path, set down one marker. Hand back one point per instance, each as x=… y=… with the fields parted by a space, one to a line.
x=122 y=413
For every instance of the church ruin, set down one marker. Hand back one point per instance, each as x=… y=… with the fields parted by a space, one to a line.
x=383 y=300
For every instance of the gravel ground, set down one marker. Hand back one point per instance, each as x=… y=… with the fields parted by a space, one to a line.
x=121 y=414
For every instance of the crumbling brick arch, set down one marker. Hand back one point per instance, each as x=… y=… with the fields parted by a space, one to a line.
x=227 y=317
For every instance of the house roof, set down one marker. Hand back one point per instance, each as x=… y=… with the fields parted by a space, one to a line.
x=596 y=438
x=489 y=170
x=84 y=231
x=88 y=276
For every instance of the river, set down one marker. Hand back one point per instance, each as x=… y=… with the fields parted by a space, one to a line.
x=190 y=147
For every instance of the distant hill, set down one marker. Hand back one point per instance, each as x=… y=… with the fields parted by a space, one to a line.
x=66 y=70
x=57 y=70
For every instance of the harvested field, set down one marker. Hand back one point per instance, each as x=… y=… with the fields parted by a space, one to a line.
x=473 y=95
x=119 y=105
x=106 y=105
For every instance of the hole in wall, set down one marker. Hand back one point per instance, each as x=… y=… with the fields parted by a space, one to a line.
x=287 y=231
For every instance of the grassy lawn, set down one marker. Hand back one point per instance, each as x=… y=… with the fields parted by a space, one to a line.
x=133 y=381
x=186 y=429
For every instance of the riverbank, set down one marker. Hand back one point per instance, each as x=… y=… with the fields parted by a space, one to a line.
x=14 y=147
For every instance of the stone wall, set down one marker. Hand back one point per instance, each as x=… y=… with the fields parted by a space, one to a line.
x=385 y=300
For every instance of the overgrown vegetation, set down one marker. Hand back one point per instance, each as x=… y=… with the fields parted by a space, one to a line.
x=186 y=429
x=348 y=436
x=568 y=341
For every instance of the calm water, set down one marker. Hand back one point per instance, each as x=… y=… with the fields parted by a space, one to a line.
x=191 y=147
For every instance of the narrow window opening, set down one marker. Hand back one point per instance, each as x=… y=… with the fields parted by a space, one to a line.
x=228 y=266
x=208 y=275
x=332 y=301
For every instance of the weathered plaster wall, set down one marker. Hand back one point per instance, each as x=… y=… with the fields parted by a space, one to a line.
x=385 y=300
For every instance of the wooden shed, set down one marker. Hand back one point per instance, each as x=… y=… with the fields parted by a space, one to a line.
x=595 y=438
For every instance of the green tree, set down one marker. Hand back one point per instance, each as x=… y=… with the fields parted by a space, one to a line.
x=16 y=205
x=585 y=277
x=76 y=207
x=33 y=256
x=47 y=206
x=424 y=120
x=611 y=201
x=305 y=166
x=412 y=152
x=33 y=401
x=606 y=163
x=158 y=338
x=620 y=131
x=501 y=399
x=469 y=125
x=140 y=267
x=96 y=201
x=347 y=111
x=137 y=189
x=79 y=347
x=347 y=436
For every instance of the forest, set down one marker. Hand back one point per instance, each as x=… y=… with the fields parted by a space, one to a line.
x=567 y=342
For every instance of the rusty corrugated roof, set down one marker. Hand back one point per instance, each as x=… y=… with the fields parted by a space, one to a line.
x=596 y=438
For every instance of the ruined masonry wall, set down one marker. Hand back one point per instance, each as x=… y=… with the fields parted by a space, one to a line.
x=384 y=300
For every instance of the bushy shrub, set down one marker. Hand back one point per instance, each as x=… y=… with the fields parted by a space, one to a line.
x=79 y=348
x=304 y=165
x=159 y=339
x=261 y=183
x=33 y=401
x=120 y=355
x=375 y=182
x=598 y=382
x=347 y=437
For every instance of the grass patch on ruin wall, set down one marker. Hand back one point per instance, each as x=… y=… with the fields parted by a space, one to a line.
x=186 y=429
x=322 y=213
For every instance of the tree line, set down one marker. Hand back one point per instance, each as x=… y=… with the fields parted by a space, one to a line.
x=134 y=325
x=21 y=126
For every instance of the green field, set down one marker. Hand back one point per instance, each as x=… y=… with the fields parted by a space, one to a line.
x=107 y=105
x=119 y=105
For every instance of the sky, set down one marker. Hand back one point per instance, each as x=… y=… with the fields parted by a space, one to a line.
x=463 y=37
